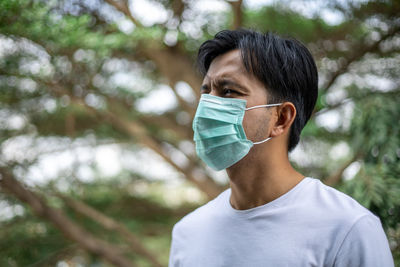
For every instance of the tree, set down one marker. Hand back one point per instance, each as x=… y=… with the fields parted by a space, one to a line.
x=62 y=70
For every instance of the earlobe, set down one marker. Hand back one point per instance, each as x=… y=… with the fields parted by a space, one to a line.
x=285 y=113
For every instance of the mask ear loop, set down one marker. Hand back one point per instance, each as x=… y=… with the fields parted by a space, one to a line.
x=263 y=141
x=263 y=106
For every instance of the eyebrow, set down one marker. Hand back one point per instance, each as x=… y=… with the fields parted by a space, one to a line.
x=220 y=82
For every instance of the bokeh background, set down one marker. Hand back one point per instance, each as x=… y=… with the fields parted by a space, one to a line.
x=97 y=97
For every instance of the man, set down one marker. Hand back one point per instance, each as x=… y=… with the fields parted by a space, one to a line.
x=259 y=90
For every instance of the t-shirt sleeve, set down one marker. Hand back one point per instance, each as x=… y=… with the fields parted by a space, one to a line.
x=365 y=245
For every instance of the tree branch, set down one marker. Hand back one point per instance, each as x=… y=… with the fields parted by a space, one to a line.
x=168 y=123
x=110 y=224
x=183 y=104
x=350 y=99
x=358 y=54
x=237 y=13
x=136 y=130
x=123 y=7
x=62 y=222
x=183 y=66
x=336 y=177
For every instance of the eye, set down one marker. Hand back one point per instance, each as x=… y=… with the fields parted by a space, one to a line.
x=229 y=92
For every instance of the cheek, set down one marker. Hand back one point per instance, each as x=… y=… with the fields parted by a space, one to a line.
x=250 y=123
x=256 y=125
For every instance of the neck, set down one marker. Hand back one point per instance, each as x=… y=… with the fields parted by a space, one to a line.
x=258 y=179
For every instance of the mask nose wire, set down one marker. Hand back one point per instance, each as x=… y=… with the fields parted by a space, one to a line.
x=263 y=106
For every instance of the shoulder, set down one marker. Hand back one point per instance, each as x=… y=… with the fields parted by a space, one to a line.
x=328 y=208
x=358 y=233
x=365 y=244
x=332 y=202
x=200 y=216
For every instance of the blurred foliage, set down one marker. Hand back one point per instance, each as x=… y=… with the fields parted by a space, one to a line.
x=75 y=74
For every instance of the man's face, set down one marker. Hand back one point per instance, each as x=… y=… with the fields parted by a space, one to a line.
x=227 y=77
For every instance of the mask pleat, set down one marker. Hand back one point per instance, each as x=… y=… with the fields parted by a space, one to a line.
x=211 y=107
x=212 y=143
x=214 y=132
x=224 y=117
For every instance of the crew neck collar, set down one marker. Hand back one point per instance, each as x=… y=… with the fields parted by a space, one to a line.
x=280 y=201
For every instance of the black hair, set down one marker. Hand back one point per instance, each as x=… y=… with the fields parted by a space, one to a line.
x=285 y=67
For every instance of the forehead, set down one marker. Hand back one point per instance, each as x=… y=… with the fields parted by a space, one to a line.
x=228 y=64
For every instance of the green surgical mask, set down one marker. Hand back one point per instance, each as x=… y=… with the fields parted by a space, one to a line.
x=218 y=131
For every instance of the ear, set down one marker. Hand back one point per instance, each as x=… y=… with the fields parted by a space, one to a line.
x=286 y=113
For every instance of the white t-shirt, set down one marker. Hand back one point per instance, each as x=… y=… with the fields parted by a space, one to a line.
x=311 y=225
